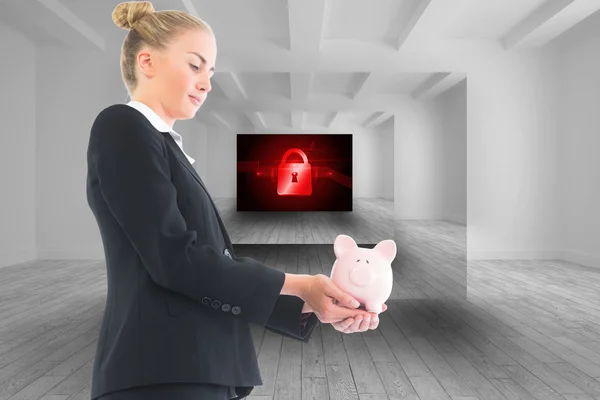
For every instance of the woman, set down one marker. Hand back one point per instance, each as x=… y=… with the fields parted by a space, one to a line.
x=179 y=301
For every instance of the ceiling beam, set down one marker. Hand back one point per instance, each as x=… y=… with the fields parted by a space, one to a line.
x=332 y=118
x=377 y=118
x=416 y=15
x=297 y=118
x=368 y=84
x=256 y=119
x=446 y=54
x=74 y=22
x=215 y=115
x=437 y=84
x=317 y=103
x=300 y=84
x=230 y=84
x=306 y=20
x=548 y=21
x=189 y=6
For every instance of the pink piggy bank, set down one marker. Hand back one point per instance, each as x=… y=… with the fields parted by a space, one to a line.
x=365 y=274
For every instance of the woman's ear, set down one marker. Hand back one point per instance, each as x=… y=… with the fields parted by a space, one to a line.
x=146 y=63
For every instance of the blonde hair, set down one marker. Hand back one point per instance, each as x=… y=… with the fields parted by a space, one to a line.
x=148 y=27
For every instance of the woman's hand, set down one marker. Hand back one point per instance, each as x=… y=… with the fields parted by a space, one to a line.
x=359 y=324
x=306 y=308
x=320 y=295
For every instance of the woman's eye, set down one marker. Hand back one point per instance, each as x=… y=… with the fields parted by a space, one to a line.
x=194 y=67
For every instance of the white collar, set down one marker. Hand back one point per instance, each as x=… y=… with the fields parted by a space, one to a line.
x=159 y=124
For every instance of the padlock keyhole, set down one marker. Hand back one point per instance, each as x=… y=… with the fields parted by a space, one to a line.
x=294 y=176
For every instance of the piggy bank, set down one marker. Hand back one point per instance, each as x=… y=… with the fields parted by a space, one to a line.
x=365 y=274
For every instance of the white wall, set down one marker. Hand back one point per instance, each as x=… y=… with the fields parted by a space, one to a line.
x=532 y=163
x=368 y=162
x=431 y=152
x=418 y=162
x=72 y=88
x=512 y=183
x=221 y=158
x=512 y=169
x=451 y=109
x=18 y=105
x=579 y=141
x=386 y=158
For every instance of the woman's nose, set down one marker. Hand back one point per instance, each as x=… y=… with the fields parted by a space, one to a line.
x=204 y=85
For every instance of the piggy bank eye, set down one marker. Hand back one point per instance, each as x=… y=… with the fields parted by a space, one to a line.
x=358 y=260
x=367 y=261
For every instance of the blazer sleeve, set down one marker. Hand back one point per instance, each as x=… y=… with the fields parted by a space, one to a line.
x=134 y=178
x=288 y=320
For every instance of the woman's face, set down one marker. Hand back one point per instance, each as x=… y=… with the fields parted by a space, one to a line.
x=180 y=75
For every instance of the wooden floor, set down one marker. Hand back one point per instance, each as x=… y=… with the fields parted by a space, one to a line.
x=371 y=221
x=434 y=252
x=522 y=329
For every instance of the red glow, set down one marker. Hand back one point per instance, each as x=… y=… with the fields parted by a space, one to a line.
x=272 y=173
x=294 y=179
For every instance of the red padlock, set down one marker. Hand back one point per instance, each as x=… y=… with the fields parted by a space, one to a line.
x=294 y=179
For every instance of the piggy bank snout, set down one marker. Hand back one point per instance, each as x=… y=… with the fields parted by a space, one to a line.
x=361 y=276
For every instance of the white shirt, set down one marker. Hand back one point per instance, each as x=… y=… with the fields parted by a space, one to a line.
x=159 y=124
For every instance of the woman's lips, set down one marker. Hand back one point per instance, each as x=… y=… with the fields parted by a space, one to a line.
x=195 y=100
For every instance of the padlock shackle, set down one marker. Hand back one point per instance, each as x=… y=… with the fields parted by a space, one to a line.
x=290 y=151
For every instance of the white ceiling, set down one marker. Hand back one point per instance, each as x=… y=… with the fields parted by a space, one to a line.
x=317 y=64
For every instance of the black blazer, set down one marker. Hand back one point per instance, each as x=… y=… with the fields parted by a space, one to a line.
x=179 y=301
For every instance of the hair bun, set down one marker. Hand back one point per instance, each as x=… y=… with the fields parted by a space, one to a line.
x=126 y=14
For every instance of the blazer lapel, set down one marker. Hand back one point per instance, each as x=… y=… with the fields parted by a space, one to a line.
x=186 y=163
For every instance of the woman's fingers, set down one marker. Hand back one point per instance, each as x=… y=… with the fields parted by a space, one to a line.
x=343 y=325
x=358 y=324
x=369 y=321
x=374 y=322
x=355 y=325
x=366 y=322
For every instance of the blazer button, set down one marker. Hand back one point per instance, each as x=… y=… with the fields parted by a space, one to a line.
x=216 y=304
x=206 y=301
x=236 y=310
x=226 y=307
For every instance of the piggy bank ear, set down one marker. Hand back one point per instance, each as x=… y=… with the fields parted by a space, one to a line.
x=387 y=249
x=343 y=243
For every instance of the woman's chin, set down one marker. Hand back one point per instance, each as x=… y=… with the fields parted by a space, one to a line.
x=187 y=116
x=189 y=112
